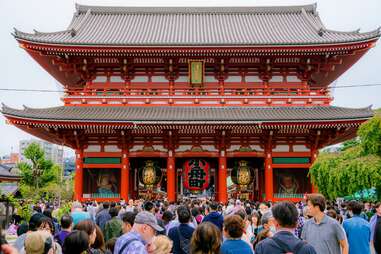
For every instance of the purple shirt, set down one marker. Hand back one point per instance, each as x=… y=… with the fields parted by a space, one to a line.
x=60 y=237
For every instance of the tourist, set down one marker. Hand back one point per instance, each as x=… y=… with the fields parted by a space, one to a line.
x=284 y=241
x=233 y=230
x=89 y=227
x=181 y=234
x=48 y=213
x=142 y=233
x=130 y=207
x=267 y=222
x=160 y=245
x=77 y=242
x=264 y=208
x=375 y=224
x=39 y=242
x=247 y=236
x=34 y=224
x=206 y=239
x=66 y=227
x=110 y=245
x=128 y=219
x=324 y=233
x=103 y=215
x=264 y=234
x=113 y=227
x=150 y=207
x=78 y=214
x=357 y=230
x=253 y=223
x=99 y=245
x=213 y=216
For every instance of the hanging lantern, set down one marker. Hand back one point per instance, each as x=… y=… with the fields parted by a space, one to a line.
x=150 y=174
x=196 y=175
x=242 y=174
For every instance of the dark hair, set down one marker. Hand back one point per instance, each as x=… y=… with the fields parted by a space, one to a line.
x=66 y=221
x=332 y=213
x=148 y=206
x=99 y=242
x=286 y=214
x=76 y=242
x=110 y=244
x=355 y=206
x=87 y=226
x=35 y=221
x=261 y=236
x=183 y=214
x=377 y=205
x=23 y=228
x=48 y=213
x=234 y=226
x=206 y=238
x=317 y=200
x=106 y=205
x=113 y=211
x=214 y=206
x=45 y=221
x=129 y=217
x=168 y=216
x=241 y=213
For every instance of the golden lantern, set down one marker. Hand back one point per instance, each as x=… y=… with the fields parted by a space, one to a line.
x=150 y=174
x=242 y=174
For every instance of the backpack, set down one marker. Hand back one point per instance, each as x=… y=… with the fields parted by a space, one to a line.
x=287 y=249
x=126 y=245
x=184 y=242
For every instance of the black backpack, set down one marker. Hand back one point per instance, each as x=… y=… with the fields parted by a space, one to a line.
x=184 y=242
x=284 y=247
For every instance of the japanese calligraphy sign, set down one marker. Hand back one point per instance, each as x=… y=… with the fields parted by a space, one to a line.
x=196 y=72
x=196 y=174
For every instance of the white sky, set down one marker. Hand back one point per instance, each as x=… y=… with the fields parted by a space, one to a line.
x=18 y=70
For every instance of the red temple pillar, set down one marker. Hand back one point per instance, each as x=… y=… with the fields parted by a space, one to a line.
x=222 y=178
x=269 y=188
x=124 y=176
x=171 y=177
x=314 y=154
x=78 y=179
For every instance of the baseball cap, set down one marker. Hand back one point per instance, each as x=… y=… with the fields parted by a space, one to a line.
x=149 y=219
x=38 y=242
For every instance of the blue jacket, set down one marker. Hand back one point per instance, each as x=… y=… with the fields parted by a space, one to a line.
x=215 y=218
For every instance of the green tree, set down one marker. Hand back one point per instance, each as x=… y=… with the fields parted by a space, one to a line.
x=356 y=167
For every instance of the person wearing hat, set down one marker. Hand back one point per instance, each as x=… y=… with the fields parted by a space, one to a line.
x=142 y=234
x=39 y=242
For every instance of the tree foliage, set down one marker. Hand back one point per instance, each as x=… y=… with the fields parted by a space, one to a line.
x=355 y=168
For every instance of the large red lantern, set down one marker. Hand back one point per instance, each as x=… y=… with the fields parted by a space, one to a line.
x=196 y=175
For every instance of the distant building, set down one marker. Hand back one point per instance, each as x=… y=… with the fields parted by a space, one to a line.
x=52 y=152
x=69 y=165
x=13 y=158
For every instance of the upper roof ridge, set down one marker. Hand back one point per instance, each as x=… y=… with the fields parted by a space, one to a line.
x=194 y=9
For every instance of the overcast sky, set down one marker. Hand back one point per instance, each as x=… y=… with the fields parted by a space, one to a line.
x=18 y=70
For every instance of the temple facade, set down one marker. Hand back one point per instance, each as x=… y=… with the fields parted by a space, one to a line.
x=183 y=101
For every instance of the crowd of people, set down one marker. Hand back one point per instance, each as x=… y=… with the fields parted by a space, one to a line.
x=202 y=227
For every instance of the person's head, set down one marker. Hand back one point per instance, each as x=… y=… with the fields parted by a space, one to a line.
x=149 y=207
x=167 y=217
x=146 y=225
x=47 y=225
x=183 y=214
x=113 y=211
x=265 y=233
x=99 y=243
x=160 y=245
x=355 y=207
x=39 y=242
x=234 y=226
x=35 y=221
x=316 y=204
x=23 y=228
x=110 y=244
x=76 y=242
x=332 y=213
x=106 y=205
x=213 y=206
x=48 y=213
x=285 y=215
x=76 y=206
x=241 y=213
x=131 y=202
x=377 y=206
x=128 y=219
x=287 y=181
x=89 y=228
x=263 y=208
x=268 y=221
x=66 y=222
x=254 y=218
x=206 y=239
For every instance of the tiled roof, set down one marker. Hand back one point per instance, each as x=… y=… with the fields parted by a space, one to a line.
x=201 y=26
x=170 y=114
x=5 y=171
